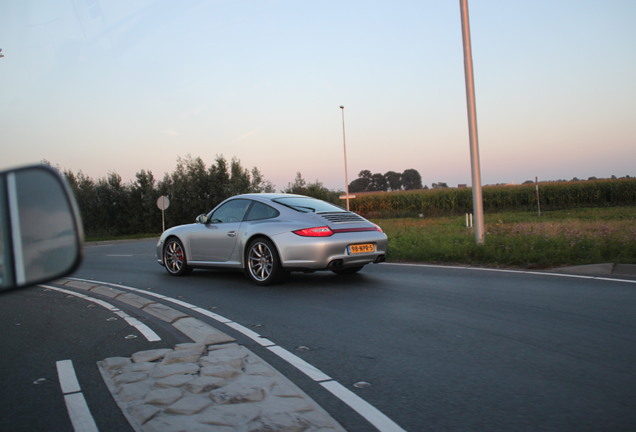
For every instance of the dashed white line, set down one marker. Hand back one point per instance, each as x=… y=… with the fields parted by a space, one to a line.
x=362 y=407
x=67 y=377
x=78 y=410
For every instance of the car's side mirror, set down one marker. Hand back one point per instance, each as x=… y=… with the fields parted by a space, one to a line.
x=202 y=219
x=41 y=231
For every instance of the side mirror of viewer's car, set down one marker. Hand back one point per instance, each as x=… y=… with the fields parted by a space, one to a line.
x=41 y=231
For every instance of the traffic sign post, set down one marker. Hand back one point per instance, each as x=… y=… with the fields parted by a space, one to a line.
x=163 y=203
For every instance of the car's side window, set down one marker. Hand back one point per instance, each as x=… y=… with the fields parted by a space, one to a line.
x=261 y=211
x=231 y=211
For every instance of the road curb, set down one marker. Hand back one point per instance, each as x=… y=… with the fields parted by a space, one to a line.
x=210 y=384
x=599 y=269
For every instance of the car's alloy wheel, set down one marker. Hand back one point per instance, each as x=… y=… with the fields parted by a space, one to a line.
x=174 y=258
x=263 y=264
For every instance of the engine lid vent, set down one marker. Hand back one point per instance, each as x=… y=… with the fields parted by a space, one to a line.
x=342 y=217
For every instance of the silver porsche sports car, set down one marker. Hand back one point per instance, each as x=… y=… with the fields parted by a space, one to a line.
x=269 y=235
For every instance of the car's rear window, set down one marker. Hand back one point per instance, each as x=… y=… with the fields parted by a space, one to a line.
x=308 y=205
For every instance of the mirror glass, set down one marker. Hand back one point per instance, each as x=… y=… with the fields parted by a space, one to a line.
x=41 y=231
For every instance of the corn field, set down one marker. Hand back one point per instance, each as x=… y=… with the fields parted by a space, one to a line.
x=453 y=202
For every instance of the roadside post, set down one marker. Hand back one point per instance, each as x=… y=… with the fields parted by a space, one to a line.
x=536 y=185
x=163 y=203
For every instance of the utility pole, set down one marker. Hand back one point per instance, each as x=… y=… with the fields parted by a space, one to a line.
x=344 y=144
x=478 y=204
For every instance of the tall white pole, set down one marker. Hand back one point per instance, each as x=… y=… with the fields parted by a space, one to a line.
x=344 y=145
x=478 y=204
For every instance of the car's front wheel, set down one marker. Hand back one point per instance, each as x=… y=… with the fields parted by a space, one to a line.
x=174 y=258
x=263 y=264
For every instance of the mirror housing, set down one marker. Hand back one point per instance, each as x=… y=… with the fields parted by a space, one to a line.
x=41 y=231
x=202 y=219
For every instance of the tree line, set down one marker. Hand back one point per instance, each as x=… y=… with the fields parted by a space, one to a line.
x=110 y=207
x=410 y=179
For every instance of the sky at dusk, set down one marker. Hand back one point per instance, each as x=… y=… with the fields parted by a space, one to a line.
x=123 y=85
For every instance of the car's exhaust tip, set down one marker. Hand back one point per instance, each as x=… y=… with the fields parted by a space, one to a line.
x=380 y=259
x=335 y=264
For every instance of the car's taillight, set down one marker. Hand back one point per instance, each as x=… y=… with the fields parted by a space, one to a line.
x=323 y=231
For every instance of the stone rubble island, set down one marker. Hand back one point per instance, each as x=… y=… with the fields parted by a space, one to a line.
x=197 y=387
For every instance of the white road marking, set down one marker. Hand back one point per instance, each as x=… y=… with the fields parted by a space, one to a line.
x=300 y=364
x=250 y=334
x=366 y=410
x=531 y=272
x=67 y=377
x=142 y=328
x=78 y=410
x=362 y=407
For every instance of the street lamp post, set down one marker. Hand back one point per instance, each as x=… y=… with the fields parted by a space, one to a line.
x=478 y=205
x=344 y=145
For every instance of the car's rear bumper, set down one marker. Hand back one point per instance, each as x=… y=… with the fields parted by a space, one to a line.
x=329 y=253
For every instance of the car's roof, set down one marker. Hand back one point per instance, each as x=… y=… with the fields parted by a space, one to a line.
x=269 y=196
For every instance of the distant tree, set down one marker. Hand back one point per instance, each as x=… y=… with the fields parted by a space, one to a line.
x=113 y=211
x=318 y=190
x=359 y=185
x=440 y=185
x=219 y=181
x=239 y=178
x=85 y=192
x=411 y=179
x=365 y=174
x=143 y=204
x=299 y=186
x=315 y=190
x=393 y=180
x=258 y=184
x=378 y=183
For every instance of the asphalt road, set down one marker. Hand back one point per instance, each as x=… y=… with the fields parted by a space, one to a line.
x=441 y=348
x=433 y=348
x=42 y=327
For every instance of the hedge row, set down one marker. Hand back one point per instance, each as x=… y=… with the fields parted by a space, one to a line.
x=449 y=202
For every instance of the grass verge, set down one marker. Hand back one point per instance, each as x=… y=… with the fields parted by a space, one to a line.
x=526 y=240
x=98 y=238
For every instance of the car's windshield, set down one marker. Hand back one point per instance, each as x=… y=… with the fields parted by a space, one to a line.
x=308 y=205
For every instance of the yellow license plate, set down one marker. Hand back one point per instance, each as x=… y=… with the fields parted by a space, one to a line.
x=361 y=248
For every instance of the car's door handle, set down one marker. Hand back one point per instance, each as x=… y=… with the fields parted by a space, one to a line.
x=231 y=234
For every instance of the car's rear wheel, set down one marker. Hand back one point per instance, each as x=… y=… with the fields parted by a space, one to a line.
x=174 y=258
x=263 y=264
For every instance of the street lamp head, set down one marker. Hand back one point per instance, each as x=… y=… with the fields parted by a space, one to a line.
x=341 y=107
